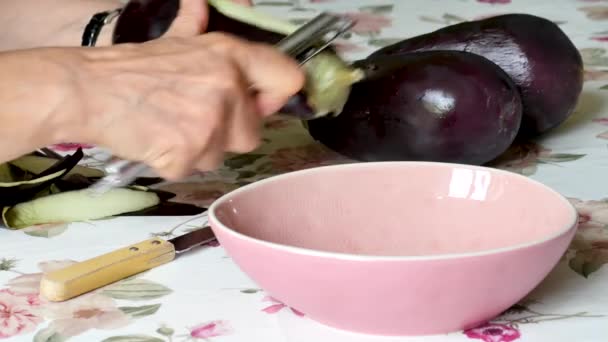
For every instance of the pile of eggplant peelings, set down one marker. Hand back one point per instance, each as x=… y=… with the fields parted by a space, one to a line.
x=462 y=94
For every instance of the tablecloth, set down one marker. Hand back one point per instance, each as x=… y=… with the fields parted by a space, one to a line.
x=205 y=297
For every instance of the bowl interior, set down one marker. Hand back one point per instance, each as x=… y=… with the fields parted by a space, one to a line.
x=397 y=209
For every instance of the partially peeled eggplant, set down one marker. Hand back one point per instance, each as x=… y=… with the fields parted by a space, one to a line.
x=77 y=205
x=446 y=106
x=328 y=77
x=21 y=185
x=38 y=190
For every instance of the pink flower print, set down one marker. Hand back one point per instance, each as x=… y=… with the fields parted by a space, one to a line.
x=591 y=237
x=213 y=243
x=207 y=330
x=277 y=306
x=592 y=214
x=491 y=332
x=601 y=121
x=17 y=314
x=198 y=193
x=347 y=47
x=595 y=75
x=501 y=2
x=521 y=158
x=368 y=22
x=69 y=147
x=91 y=311
x=596 y=12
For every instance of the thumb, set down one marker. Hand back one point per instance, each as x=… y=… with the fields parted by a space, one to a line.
x=191 y=19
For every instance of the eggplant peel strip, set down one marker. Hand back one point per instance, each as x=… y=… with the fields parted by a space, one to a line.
x=36 y=190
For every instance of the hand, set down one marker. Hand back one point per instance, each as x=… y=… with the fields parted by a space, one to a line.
x=192 y=18
x=178 y=104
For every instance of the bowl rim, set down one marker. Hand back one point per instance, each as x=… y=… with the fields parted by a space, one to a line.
x=213 y=220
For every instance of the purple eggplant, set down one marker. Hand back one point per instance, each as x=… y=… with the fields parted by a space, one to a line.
x=144 y=20
x=539 y=57
x=447 y=106
x=329 y=78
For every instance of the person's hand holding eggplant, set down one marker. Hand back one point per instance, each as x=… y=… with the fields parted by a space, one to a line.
x=177 y=103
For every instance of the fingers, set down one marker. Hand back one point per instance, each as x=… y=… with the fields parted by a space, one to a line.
x=274 y=75
x=191 y=19
x=212 y=156
x=244 y=124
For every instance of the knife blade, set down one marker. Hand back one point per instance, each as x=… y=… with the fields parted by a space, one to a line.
x=86 y=276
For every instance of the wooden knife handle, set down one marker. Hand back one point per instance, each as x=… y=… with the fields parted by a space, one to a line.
x=105 y=269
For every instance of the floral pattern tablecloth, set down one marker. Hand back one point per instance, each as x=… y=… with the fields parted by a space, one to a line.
x=205 y=297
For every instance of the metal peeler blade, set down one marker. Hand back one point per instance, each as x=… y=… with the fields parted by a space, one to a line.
x=303 y=44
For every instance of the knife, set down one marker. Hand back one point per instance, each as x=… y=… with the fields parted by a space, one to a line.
x=80 y=278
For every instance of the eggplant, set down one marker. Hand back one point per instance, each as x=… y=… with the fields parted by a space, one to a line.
x=329 y=78
x=446 y=106
x=77 y=205
x=540 y=58
x=28 y=184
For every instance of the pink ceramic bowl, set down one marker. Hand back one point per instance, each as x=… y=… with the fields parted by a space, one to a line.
x=396 y=248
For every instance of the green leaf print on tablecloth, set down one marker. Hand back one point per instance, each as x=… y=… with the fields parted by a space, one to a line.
x=594 y=57
x=134 y=338
x=378 y=9
x=140 y=311
x=241 y=161
x=560 y=158
x=48 y=335
x=382 y=42
x=7 y=264
x=506 y=327
x=136 y=289
x=524 y=158
x=445 y=20
x=205 y=331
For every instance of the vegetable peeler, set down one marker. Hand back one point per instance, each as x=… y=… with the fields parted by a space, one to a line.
x=303 y=44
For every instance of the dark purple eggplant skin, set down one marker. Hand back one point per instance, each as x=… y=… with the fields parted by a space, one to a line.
x=443 y=106
x=144 y=20
x=540 y=58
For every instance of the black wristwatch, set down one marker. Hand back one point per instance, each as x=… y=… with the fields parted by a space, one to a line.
x=96 y=24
